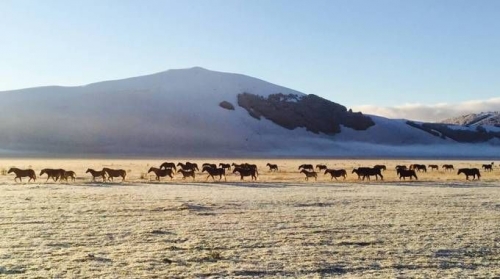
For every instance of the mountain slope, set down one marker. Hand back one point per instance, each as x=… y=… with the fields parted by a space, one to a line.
x=178 y=113
x=483 y=118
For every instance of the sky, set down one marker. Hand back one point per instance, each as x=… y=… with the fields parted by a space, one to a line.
x=392 y=58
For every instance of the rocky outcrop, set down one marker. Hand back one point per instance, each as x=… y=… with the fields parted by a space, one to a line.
x=226 y=105
x=314 y=113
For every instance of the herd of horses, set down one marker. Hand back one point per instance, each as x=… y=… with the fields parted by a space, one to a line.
x=402 y=171
x=188 y=170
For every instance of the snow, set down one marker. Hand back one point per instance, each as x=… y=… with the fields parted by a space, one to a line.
x=177 y=113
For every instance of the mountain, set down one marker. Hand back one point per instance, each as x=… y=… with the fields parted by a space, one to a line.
x=198 y=112
x=476 y=119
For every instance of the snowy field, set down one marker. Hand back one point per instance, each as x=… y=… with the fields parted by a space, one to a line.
x=440 y=226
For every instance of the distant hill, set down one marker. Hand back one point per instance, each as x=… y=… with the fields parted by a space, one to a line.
x=198 y=112
x=475 y=119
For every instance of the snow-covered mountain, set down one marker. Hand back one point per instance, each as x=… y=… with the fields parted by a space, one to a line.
x=476 y=119
x=179 y=113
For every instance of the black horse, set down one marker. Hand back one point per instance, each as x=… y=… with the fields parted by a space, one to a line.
x=168 y=165
x=188 y=166
x=474 y=172
x=187 y=173
x=336 y=173
x=367 y=172
x=381 y=167
x=306 y=167
x=488 y=167
x=214 y=172
x=246 y=172
x=407 y=173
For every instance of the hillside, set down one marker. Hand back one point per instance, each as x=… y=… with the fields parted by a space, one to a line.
x=198 y=112
x=475 y=119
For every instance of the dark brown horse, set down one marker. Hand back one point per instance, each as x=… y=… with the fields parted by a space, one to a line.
x=20 y=173
x=407 y=173
x=309 y=174
x=433 y=167
x=213 y=166
x=418 y=167
x=214 y=172
x=448 y=167
x=306 y=167
x=55 y=174
x=401 y=167
x=225 y=166
x=69 y=174
x=474 y=172
x=115 y=173
x=336 y=173
x=168 y=165
x=95 y=174
x=367 y=172
x=381 y=167
x=488 y=167
x=246 y=172
x=321 y=167
x=161 y=172
x=185 y=173
x=188 y=166
x=272 y=167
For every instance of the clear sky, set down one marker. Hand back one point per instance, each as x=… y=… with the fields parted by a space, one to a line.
x=380 y=53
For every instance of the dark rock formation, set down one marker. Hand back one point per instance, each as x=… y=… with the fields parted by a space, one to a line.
x=316 y=114
x=226 y=105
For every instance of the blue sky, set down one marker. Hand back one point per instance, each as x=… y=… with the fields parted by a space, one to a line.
x=380 y=53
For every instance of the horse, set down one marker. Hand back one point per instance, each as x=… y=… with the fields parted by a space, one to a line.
x=367 y=172
x=401 y=167
x=225 y=166
x=187 y=173
x=168 y=165
x=67 y=174
x=488 y=167
x=406 y=173
x=433 y=167
x=213 y=166
x=309 y=174
x=381 y=167
x=336 y=173
x=95 y=174
x=115 y=173
x=246 y=172
x=161 y=173
x=23 y=173
x=193 y=166
x=188 y=166
x=448 y=167
x=55 y=174
x=418 y=167
x=470 y=172
x=272 y=167
x=215 y=171
x=306 y=167
x=321 y=167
